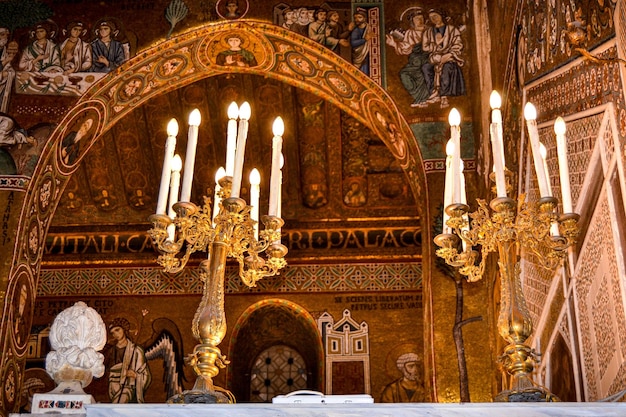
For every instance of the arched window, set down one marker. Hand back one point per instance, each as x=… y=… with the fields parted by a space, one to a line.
x=276 y=371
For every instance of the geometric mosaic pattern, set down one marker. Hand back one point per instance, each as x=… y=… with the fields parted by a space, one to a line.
x=602 y=323
x=296 y=278
x=608 y=142
x=439 y=165
x=14 y=183
x=577 y=89
x=620 y=35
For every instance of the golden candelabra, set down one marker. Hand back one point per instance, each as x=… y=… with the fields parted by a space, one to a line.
x=507 y=228
x=230 y=234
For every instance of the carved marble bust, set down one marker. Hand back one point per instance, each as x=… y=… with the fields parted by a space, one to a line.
x=76 y=336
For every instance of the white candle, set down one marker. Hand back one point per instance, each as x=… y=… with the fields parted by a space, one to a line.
x=242 y=134
x=190 y=157
x=530 y=114
x=280 y=192
x=277 y=144
x=554 y=227
x=544 y=155
x=448 y=185
x=255 y=181
x=221 y=172
x=170 y=145
x=455 y=132
x=561 y=147
x=497 y=146
x=463 y=200
x=462 y=180
x=174 y=187
x=231 y=138
x=280 y=188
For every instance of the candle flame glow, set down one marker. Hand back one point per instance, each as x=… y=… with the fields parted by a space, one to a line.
x=177 y=163
x=255 y=177
x=219 y=174
x=454 y=118
x=279 y=127
x=450 y=148
x=195 y=118
x=245 y=111
x=559 y=126
x=172 y=128
x=233 y=111
x=494 y=100
x=530 y=112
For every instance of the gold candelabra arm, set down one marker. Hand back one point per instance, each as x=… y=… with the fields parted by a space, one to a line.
x=189 y=230
x=465 y=260
x=537 y=225
x=194 y=225
x=508 y=181
x=458 y=223
x=271 y=233
x=253 y=267
x=534 y=221
x=167 y=247
x=234 y=226
x=469 y=261
x=160 y=235
x=568 y=226
x=226 y=183
x=474 y=272
x=529 y=225
x=500 y=227
x=233 y=220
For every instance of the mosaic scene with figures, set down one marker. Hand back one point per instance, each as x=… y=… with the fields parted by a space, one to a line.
x=234 y=201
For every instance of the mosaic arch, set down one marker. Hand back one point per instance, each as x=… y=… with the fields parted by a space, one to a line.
x=297 y=311
x=203 y=52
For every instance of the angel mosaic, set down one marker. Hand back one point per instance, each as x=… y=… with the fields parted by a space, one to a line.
x=128 y=362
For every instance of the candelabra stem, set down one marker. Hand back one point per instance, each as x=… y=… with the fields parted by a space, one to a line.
x=515 y=326
x=209 y=327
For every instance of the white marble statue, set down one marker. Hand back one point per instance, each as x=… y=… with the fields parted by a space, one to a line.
x=76 y=336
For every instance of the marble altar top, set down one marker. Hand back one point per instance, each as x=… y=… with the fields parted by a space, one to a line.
x=357 y=410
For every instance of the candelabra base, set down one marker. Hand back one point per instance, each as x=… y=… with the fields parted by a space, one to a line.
x=528 y=395
x=199 y=397
x=203 y=394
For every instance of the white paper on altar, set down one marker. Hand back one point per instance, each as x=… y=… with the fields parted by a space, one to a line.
x=316 y=397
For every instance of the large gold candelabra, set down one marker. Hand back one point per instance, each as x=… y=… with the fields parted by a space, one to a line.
x=507 y=227
x=232 y=235
x=229 y=230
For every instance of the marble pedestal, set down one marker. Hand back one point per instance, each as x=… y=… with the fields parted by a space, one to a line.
x=67 y=398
